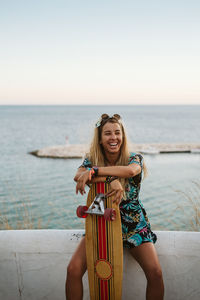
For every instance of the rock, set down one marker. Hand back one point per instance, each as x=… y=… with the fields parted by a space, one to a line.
x=79 y=150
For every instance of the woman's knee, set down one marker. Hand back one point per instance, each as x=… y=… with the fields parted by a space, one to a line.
x=154 y=274
x=75 y=270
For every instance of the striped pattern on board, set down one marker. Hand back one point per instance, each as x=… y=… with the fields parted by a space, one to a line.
x=101 y=242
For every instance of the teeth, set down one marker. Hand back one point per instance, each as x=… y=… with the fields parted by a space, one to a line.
x=113 y=144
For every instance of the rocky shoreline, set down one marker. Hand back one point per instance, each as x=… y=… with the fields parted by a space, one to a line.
x=79 y=150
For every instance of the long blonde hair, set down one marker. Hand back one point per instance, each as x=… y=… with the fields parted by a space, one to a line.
x=96 y=152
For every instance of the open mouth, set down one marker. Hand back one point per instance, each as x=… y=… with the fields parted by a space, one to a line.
x=113 y=145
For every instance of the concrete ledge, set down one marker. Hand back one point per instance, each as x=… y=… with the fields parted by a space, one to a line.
x=33 y=265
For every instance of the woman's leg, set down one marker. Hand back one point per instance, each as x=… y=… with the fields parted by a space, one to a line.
x=75 y=272
x=146 y=256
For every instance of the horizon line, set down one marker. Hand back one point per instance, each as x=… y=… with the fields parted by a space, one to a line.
x=136 y=104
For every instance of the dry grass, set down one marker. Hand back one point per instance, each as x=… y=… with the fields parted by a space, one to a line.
x=23 y=214
x=24 y=219
x=190 y=208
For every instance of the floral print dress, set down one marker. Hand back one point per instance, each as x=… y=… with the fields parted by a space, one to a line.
x=136 y=228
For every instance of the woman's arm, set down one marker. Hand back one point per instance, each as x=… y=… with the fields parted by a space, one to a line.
x=120 y=171
x=79 y=172
x=82 y=176
x=82 y=170
x=116 y=190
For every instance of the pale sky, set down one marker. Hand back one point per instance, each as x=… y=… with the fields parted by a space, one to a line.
x=99 y=52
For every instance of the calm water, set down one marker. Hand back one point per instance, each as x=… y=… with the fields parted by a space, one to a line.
x=40 y=192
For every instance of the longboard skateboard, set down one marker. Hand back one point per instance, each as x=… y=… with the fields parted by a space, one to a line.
x=104 y=247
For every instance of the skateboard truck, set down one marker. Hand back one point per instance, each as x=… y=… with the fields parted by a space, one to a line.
x=97 y=208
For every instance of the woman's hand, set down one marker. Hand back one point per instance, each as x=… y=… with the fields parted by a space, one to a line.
x=81 y=182
x=117 y=190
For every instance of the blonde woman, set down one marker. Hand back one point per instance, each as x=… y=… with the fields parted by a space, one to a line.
x=111 y=160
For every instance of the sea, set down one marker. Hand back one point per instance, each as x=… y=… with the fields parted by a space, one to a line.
x=39 y=193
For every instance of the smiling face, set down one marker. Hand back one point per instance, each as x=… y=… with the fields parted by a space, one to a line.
x=111 y=138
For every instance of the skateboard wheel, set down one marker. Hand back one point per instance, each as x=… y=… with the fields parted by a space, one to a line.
x=110 y=214
x=81 y=211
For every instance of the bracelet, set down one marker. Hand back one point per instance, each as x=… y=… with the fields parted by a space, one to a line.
x=95 y=170
x=91 y=173
x=109 y=179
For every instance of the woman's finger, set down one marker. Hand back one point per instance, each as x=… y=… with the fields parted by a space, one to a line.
x=80 y=187
x=109 y=194
x=77 y=189
x=118 y=197
x=82 y=190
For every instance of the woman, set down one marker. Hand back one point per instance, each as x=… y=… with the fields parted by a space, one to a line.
x=114 y=163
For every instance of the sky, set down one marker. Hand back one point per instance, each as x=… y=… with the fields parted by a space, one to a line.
x=99 y=52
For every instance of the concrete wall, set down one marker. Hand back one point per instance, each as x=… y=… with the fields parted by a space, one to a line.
x=33 y=265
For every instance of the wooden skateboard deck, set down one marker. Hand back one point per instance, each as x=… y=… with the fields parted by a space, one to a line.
x=104 y=250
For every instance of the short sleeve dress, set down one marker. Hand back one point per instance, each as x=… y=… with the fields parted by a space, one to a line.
x=136 y=227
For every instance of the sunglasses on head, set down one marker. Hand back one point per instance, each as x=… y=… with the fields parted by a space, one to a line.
x=106 y=117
